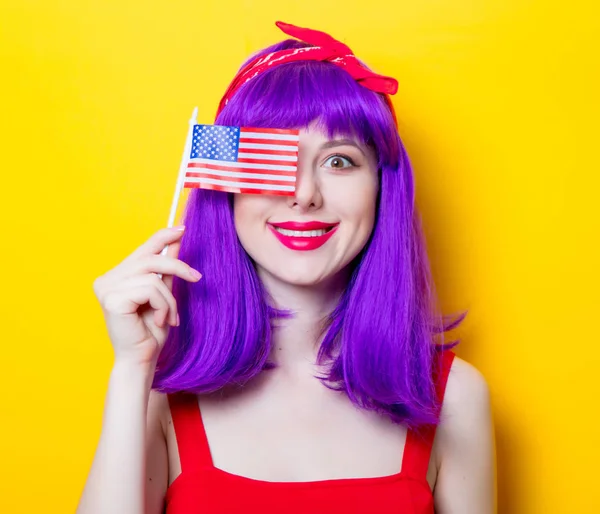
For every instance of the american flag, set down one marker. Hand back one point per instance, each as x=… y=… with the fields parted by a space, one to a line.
x=243 y=160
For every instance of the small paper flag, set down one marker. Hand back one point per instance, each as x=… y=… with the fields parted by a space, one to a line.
x=243 y=160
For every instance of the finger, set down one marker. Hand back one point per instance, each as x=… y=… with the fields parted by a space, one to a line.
x=128 y=302
x=158 y=264
x=173 y=252
x=173 y=249
x=164 y=265
x=157 y=242
x=171 y=301
x=153 y=280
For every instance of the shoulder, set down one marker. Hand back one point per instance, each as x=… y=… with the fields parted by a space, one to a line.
x=466 y=407
x=464 y=447
x=466 y=387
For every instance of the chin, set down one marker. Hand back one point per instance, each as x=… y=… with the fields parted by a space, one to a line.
x=304 y=275
x=299 y=278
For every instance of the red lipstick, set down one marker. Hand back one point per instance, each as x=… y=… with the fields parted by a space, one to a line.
x=303 y=242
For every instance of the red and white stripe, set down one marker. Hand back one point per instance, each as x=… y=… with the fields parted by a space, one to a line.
x=267 y=164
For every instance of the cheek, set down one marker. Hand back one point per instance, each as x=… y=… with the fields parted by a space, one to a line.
x=245 y=214
x=358 y=204
x=250 y=213
x=365 y=217
x=240 y=213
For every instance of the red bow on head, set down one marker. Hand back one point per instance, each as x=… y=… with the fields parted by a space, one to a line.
x=325 y=48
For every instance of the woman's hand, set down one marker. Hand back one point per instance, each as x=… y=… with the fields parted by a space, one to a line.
x=138 y=305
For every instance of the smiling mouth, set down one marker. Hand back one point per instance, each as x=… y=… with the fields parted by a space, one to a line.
x=303 y=236
x=303 y=233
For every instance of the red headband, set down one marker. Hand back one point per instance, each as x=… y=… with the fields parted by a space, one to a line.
x=325 y=49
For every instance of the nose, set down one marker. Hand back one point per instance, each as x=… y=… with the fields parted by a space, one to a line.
x=308 y=195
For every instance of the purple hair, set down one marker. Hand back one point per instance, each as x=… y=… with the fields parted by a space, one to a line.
x=379 y=344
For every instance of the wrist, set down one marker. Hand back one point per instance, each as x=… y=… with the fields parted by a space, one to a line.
x=134 y=370
x=136 y=361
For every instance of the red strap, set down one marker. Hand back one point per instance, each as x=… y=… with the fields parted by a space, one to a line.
x=417 y=449
x=194 y=452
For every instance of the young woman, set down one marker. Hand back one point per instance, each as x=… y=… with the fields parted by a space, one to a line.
x=307 y=371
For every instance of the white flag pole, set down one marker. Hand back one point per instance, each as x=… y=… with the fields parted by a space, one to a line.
x=182 y=167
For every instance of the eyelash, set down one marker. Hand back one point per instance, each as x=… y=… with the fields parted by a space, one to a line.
x=342 y=156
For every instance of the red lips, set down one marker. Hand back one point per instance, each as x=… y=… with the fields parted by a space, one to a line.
x=303 y=243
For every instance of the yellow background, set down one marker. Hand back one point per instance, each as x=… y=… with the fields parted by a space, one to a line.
x=498 y=107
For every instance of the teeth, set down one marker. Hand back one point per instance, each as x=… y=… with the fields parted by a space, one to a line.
x=301 y=233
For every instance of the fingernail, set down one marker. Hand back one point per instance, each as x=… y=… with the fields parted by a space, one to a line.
x=178 y=321
x=179 y=227
x=196 y=274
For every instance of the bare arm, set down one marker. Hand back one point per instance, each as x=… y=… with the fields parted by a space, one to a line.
x=117 y=481
x=465 y=446
x=130 y=470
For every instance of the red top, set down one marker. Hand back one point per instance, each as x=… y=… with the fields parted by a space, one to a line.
x=203 y=489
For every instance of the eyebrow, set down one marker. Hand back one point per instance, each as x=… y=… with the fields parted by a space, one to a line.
x=341 y=142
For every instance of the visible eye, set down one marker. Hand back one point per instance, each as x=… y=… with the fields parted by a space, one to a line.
x=339 y=162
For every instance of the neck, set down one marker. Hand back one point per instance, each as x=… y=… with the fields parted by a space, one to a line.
x=295 y=340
